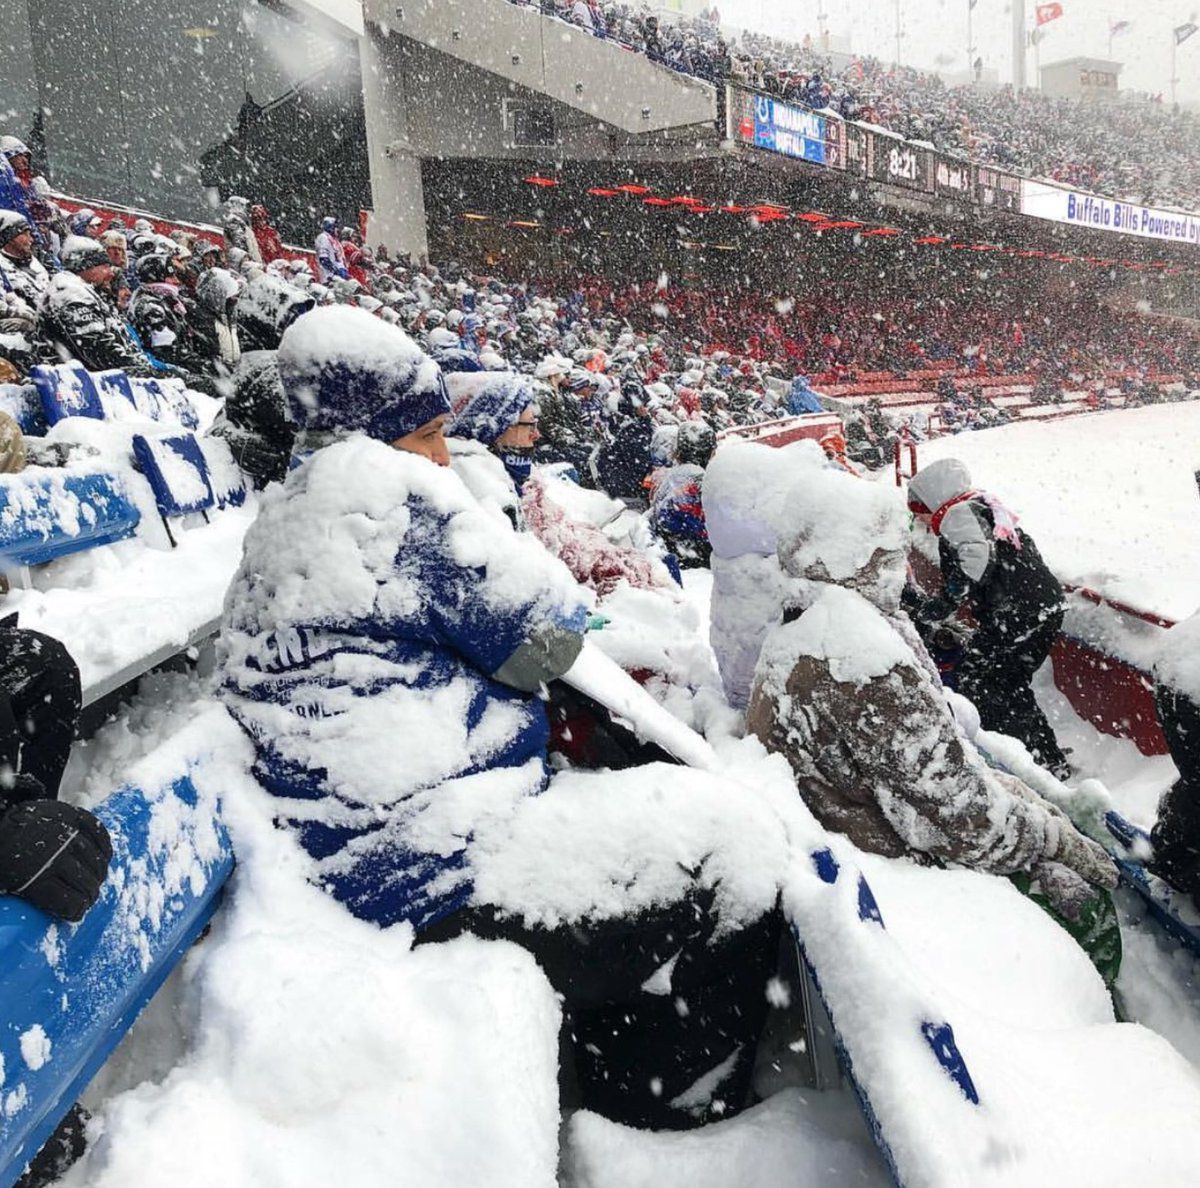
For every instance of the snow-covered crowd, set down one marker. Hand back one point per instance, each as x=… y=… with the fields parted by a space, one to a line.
x=469 y=488
x=1137 y=149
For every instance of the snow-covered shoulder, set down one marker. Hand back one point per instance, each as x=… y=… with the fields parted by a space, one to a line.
x=840 y=628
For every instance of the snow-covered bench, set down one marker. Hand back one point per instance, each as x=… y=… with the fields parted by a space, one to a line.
x=69 y=993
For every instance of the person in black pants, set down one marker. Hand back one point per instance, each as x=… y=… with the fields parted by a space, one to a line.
x=53 y=855
x=652 y=1005
x=1176 y=835
x=994 y=568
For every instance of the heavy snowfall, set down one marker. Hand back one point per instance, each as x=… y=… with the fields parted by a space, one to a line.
x=599 y=594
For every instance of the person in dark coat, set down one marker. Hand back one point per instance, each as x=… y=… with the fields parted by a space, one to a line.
x=266 y=308
x=79 y=321
x=994 y=568
x=212 y=320
x=623 y=466
x=55 y=856
x=255 y=420
x=1176 y=834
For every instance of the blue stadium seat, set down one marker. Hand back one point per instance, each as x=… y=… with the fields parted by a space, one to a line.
x=69 y=994
x=67 y=390
x=46 y=514
x=225 y=475
x=24 y=405
x=163 y=400
x=177 y=473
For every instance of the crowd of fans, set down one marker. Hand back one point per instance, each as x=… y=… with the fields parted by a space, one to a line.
x=1137 y=149
x=624 y=390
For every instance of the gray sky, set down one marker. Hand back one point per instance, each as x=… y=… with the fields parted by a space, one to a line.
x=937 y=29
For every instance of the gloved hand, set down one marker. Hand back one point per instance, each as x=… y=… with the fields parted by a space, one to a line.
x=1068 y=893
x=344 y=273
x=1085 y=857
x=54 y=856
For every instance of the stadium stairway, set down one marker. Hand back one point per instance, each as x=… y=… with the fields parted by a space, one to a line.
x=554 y=58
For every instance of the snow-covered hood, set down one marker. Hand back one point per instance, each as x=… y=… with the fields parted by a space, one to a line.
x=939 y=482
x=214 y=289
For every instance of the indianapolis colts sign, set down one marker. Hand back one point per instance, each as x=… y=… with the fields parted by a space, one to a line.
x=792 y=131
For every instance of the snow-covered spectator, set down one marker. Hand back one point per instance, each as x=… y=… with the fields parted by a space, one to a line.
x=236 y=226
x=1176 y=835
x=845 y=690
x=331 y=257
x=79 y=319
x=23 y=279
x=991 y=565
x=500 y=412
x=270 y=245
x=426 y=617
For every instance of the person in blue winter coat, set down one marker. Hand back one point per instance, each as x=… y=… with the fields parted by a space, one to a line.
x=331 y=256
x=13 y=195
x=385 y=646
x=501 y=413
x=802 y=399
x=676 y=497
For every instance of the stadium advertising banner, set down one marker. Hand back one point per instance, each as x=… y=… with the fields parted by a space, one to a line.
x=952 y=179
x=898 y=163
x=1077 y=208
x=783 y=128
x=996 y=189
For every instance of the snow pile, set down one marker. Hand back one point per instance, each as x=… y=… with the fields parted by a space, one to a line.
x=746 y=487
x=327 y=1050
x=835 y=524
x=600 y=845
x=1060 y=1085
x=792 y=1138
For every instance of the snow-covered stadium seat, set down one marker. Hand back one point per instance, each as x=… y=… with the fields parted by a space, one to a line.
x=164 y=400
x=47 y=514
x=67 y=390
x=177 y=472
x=70 y=993
x=226 y=477
x=23 y=404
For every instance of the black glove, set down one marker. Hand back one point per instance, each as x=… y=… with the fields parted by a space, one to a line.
x=54 y=856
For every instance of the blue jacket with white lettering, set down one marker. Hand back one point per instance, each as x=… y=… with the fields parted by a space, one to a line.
x=384 y=642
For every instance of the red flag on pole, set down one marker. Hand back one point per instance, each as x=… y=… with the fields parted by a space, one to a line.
x=1048 y=12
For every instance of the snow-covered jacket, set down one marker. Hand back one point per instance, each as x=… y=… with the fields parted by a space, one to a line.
x=843 y=694
x=331 y=258
x=675 y=502
x=255 y=420
x=384 y=642
x=13 y=195
x=985 y=557
x=266 y=308
x=846 y=692
x=78 y=318
x=26 y=281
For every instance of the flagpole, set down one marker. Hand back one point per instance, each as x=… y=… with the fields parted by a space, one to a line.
x=970 y=46
x=1018 y=14
x=1174 y=56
